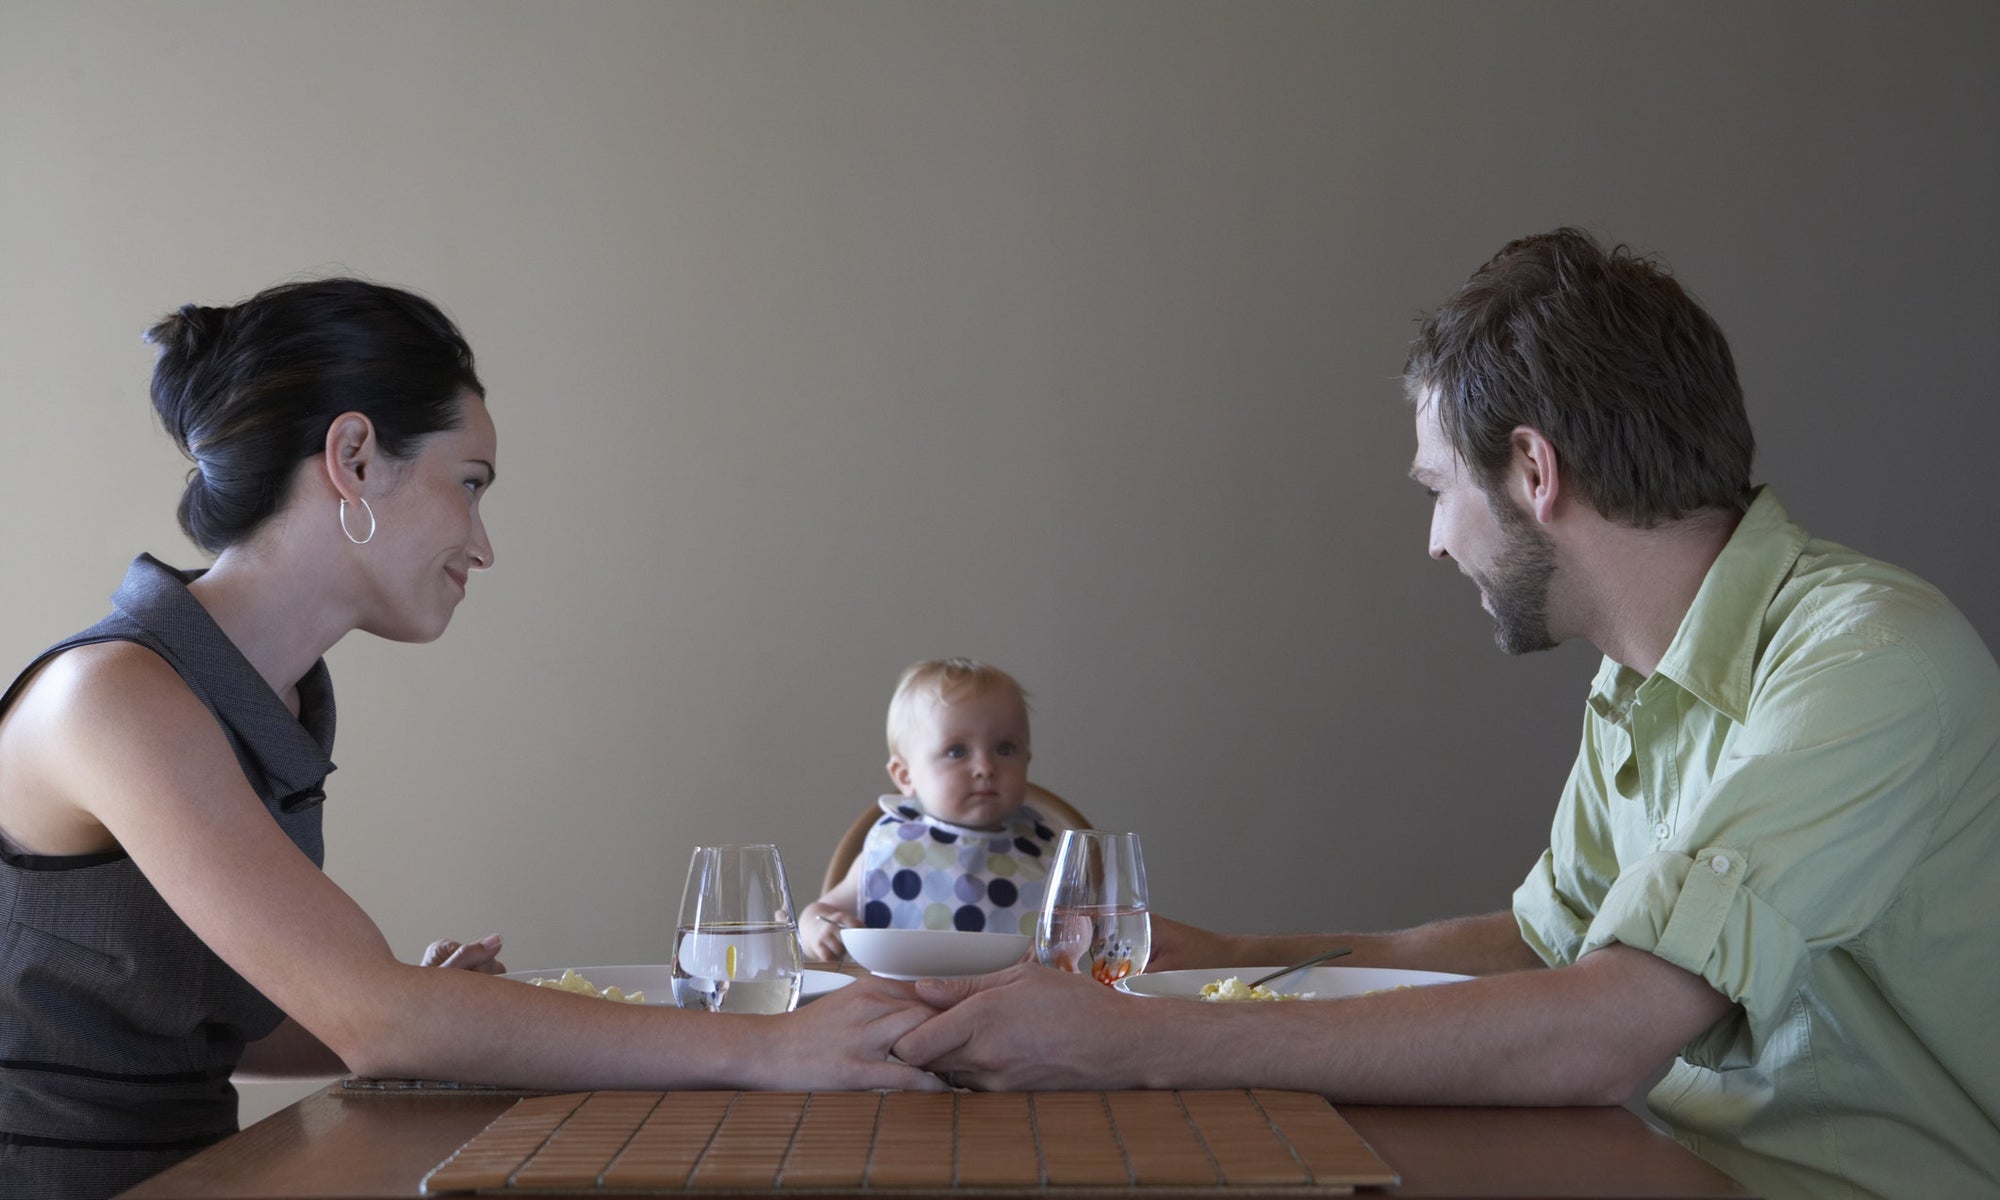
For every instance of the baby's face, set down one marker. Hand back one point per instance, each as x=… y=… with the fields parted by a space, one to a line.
x=966 y=761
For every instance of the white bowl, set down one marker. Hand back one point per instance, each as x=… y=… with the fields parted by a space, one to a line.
x=1325 y=983
x=933 y=953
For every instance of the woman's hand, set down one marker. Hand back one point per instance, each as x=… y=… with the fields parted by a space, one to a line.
x=842 y=1041
x=1031 y=1028
x=819 y=931
x=482 y=956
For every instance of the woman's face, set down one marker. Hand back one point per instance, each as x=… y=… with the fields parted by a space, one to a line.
x=429 y=536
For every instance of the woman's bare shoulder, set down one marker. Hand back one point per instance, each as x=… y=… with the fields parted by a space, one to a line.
x=79 y=725
x=113 y=679
x=94 y=707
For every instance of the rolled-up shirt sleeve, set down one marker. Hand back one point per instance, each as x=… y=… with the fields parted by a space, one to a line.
x=1695 y=913
x=1802 y=831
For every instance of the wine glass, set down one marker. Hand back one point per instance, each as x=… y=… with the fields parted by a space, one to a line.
x=737 y=949
x=1094 y=914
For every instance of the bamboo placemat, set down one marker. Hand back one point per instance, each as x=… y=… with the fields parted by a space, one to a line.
x=1043 y=1144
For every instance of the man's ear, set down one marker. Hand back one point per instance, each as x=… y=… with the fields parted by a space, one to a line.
x=352 y=454
x=899 y=774
x=1534 y=476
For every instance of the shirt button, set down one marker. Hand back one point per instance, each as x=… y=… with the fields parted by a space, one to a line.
x=1661 y=831
x=1720 y=863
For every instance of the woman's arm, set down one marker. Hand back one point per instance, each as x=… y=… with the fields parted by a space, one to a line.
x=127 y=742
x=287 y=1052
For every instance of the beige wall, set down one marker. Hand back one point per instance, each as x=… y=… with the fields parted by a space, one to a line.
x=827 y=336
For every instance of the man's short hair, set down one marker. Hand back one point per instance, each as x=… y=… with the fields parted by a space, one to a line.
x=1604 y=354
x=943 y=681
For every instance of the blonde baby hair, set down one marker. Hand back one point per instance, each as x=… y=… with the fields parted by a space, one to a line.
x=943 y=681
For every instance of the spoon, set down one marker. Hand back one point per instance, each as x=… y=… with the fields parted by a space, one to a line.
x=1299 y=966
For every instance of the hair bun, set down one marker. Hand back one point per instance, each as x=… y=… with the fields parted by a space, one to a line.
x=190 y=332
x=188 y=340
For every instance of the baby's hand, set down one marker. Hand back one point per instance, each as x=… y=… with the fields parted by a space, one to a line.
x=819 y=931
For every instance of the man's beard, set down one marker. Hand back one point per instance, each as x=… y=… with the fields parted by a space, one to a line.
x=1518 y=588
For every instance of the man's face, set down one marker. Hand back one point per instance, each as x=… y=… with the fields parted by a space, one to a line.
x=1496 y=545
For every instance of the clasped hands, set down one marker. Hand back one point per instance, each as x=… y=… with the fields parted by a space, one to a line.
x=1025 y=1028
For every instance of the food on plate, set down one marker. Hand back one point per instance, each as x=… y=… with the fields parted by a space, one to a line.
x=1233 y=988
x=573 y=982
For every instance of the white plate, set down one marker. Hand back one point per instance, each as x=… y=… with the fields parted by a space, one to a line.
x=819 y=983
x=658 y=981
x=1325 y=983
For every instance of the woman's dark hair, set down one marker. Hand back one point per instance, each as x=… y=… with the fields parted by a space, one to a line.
x=249 y=391
x=1605 y=355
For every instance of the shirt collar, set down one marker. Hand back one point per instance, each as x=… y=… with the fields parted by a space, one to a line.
x=293 y=752
x=1714 y=652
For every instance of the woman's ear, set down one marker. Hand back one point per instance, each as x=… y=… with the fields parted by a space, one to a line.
x=352 y=454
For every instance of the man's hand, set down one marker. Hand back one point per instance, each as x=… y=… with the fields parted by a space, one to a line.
x=1029 y=1027
x=843 y=1040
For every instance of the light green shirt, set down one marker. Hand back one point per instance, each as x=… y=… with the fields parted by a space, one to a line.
x=1802 y=806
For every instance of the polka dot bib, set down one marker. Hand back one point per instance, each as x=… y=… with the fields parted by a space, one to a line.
x=918 y=872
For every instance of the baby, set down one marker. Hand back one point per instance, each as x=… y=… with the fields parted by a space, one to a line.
x=958 y=847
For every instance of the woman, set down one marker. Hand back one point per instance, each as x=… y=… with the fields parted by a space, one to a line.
x=161 y=776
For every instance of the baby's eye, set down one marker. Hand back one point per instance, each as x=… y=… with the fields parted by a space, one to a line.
x=1006 y=749
x=954 y=751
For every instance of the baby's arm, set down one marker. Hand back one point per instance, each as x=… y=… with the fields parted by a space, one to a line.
x=821 y=922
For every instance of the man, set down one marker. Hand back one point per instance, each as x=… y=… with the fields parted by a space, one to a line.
x=1771 y=872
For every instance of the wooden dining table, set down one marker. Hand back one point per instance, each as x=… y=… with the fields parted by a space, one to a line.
x=343 y=1143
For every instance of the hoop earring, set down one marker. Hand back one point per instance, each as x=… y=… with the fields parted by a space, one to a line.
x=359 y=541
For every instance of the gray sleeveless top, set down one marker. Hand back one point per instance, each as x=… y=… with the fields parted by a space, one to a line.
x=118 y=1027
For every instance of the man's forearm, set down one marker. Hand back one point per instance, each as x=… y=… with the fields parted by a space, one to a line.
x=1586 y=1034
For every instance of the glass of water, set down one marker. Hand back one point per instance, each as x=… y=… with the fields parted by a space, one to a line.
x=738 y=945
x=1094 y=916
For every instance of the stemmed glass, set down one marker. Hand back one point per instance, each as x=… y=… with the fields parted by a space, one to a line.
x=1094 y=915
x=738 y=945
